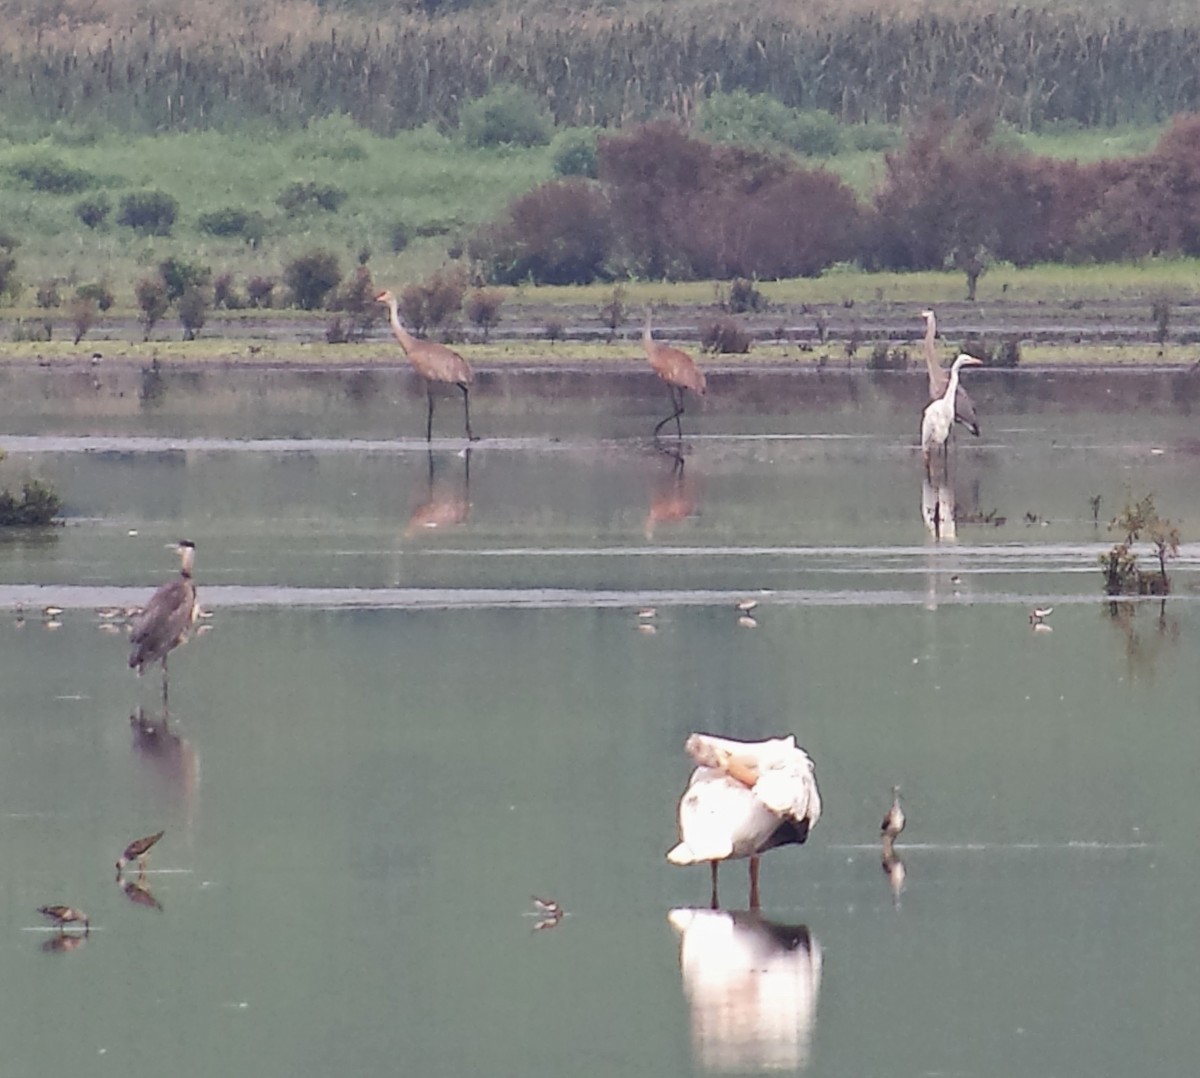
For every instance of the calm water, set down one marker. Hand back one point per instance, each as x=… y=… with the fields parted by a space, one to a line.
x=423 y=698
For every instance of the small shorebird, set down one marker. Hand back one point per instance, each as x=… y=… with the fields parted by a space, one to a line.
x=52 y=611
x=549 y=912
x=65 y=915
x=893 y=822
x=746 y=605
x=1039 y=614
x=138 y=850
x=744 y=798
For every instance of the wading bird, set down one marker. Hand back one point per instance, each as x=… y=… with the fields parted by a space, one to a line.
x=167 y=618
x=938 y=419
x=964 y=407
x=61 y=916
x=743 y=799
x=432 y=361
x=674 y=367
x=138 y=850
x=893 y=823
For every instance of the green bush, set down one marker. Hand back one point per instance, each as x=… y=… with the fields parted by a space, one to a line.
x=151 y=294
x=234 y=221
x=260 y=291
x=872 y=138
x=311 y=277
x=152 y=212
x=744 y=117
x=39 y=505
x=45 y=172
x=99 y=293
x=815 y=133
x=506 y=115
x=93 y=211
x=178 y=276
x=726 y=336
x=573 y=152
x=193 y=311
x=306 y=195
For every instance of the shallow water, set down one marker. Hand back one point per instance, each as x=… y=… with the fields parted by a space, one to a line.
x=423 y=698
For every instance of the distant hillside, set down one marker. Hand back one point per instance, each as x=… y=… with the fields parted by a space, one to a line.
x=174 y=65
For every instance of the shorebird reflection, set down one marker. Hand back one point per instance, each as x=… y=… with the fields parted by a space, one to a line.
x=446 y=503
x=751 y=986
x=138 y=892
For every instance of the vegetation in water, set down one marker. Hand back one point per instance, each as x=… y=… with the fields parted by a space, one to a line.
x=37 y=505
x=1139 y=522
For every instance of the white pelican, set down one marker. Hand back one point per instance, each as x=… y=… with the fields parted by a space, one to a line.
x=743 y=799
x=938 y=420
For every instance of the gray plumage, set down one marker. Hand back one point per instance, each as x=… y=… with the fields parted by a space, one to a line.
x=167 y=618
x=964 y=407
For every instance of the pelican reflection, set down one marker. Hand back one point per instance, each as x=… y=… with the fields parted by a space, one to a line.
x=447 y=502
x=751 y=986
x=674 y=495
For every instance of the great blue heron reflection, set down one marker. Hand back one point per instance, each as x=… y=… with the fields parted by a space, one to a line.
x=744 y=798
x=168 y=617
x=751 y=986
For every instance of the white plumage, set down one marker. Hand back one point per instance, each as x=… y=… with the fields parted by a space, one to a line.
x=938 y=419
x=743 y=799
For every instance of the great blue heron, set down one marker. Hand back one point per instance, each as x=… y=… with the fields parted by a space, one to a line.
x=938 y=419
x=677 y=369
x=168 y=617
x=432 y=361
x=964 y=407
x=138 y=850
x=743 y=799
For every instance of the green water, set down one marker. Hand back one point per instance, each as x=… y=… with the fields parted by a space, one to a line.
x=393 y=734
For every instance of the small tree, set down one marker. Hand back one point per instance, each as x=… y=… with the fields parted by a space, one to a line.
x=83 y=316
x=311 y=277
x=9 y=285
x=92 y=211
x=193 y=311
x=260 y=291
x=152 y=212
x=357 y=298
x=435 y=300
x=1136 y=521
x=506 y=115
x=483 y=309
x=151 y=296
x=178 y=276
x=48 y=295
x=612 y=313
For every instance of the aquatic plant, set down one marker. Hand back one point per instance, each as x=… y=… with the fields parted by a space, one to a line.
x=1139 y=521
x=38 y=505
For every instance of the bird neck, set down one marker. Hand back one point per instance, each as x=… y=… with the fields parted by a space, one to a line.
x=188 y=559
x=405 y=338
x=647 y=335
x=931 y=347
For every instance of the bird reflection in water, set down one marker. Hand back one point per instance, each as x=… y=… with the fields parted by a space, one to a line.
x=447 y=503
x=62 y=943
x=172 y=760
x=937 y=503
x=751 y=986
x=138 y=892
x=674 y=495
x=895 y=873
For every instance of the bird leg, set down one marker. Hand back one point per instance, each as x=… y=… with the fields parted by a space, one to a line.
x=164 y=685
x=429 y=414
x=713 y=903
x=754 y=902
x=467 y=410
x=677 y=405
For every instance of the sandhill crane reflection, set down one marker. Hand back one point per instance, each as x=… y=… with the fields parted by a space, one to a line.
x=751 y=986
x=445 y=505
x=964 y=407
x=677 y=369
x=744 y=798
x=673 y=499
x=432 y=361
x=938 y=419
x=168 y=617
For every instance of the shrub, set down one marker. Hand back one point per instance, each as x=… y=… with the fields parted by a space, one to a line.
x=483 y=309
x=740 y=116
x=613 y=313
x=152 y=212
x=725 y=335
x=555 y=329
x=434 y=301
x=83 y=316
x=1008 y=354
x=45 y=172
x=193 y=311
x=400 y=236
x=883 y=358
x=9 y=285
x=558 y=233
x=815 y=134
x=93 y=211
x=573 y=152
x=872 y=137
x=47 y=295
x=357 y=298
x=234 y=221
x=1122 y=575
x=152 y=300
x=311 y=277
x=178 y=276
x=99 y=293
x=744 y=296
x=505 y=115
x=260 y=291
x=304 y=196
x=39 y=505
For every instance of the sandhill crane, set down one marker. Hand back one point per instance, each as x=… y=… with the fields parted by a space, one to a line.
x=743 y=799
x=964 y=407
x=893 y=822
x=938 y=419
x=138 y=850
x=61 y=916
x=168 y=617
x=432 y=361
x=674 y=367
